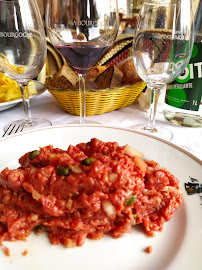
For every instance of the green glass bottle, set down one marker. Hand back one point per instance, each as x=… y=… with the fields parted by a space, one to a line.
x=183 y=96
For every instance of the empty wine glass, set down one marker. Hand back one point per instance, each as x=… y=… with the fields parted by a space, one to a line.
x=83 y=30
x=162 y=47
x=22 y=50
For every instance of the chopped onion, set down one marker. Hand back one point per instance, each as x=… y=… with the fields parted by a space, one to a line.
x=52 y=156
x=76 y=169
x=169 y=189
x=108 y=208
x=33 y=169
x=158 y=202
x=69 y=204
x=140 y=163
x=36 y=195
x=131 y=152
x=70 y=243
x=113 y=177
x=34 y=217
x=148 y=192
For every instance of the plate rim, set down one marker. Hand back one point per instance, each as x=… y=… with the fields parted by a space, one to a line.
x=177 y=147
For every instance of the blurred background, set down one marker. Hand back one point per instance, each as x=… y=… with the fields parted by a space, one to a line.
x=128 y=12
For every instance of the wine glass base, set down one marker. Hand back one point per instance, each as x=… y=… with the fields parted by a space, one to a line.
x=87 y=122
x=160 y=132
x=23 y=125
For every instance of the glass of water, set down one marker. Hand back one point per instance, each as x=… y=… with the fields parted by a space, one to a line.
x=22 y=50
x=162 y=47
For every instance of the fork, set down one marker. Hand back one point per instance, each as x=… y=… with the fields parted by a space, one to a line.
x=13 y=129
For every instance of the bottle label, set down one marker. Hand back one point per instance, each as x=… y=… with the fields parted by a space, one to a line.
x=186 y=91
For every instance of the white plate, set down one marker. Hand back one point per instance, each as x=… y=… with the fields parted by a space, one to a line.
x=9 y=104
x=177 y=247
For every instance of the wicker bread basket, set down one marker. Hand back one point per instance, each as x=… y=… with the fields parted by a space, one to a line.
x=97 y=101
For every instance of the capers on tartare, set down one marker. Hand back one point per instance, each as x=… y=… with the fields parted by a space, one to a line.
x=64 y=170
x=88 y=161
x=33 y=154
x=131 y=200
x=39 y=229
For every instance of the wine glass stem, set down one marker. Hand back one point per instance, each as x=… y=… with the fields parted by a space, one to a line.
x=26 y=103
x=82 y=98
x=155 y=93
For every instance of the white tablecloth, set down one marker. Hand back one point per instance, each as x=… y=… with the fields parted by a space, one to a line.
x=45 y=106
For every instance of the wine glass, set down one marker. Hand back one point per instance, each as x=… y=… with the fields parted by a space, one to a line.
x=83 y=31
x=162 y=47
x=22 y=51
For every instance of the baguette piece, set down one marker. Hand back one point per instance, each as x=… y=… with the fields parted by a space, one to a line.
x=65 y=78
x=110 y=78
x=130 y=75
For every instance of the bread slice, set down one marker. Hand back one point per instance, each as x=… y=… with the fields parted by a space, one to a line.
x=65 y=78
x=110 y=78
x=94 y=72
x=89 y=85
x=130 y=75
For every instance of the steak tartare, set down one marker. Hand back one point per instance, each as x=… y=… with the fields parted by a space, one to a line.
x=87 y=191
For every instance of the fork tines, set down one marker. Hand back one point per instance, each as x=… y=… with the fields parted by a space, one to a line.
x=13 y=128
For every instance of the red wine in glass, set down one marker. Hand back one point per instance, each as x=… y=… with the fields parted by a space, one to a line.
x=83 y=56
